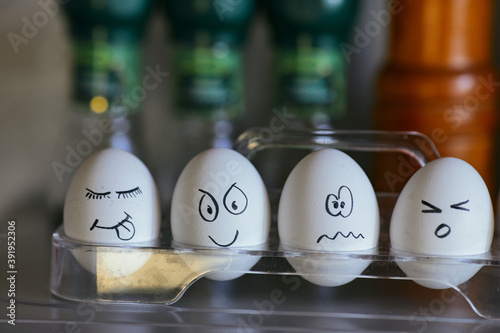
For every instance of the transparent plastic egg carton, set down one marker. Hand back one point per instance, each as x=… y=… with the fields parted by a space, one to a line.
x=164 y=271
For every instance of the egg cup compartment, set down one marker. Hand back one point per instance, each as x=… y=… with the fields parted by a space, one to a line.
x=162 y=272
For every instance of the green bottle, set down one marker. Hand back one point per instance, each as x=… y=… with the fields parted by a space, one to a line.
x=207 y=39
x=309 y=72
x=309 y=66
x=107 y=65
x=207 y=61
x=107 y=91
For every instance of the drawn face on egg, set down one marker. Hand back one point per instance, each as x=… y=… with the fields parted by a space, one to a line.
x=340 y=205
x=235 y=202
x=112 y=199
x=443 y=230
x=444 y=209
x=124 y=229
x=220 y=201
x=328 y=204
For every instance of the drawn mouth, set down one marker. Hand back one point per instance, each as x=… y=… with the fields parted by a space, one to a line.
x=442 y=231
x=228 y=244
x=127 y=234
x=339 y=233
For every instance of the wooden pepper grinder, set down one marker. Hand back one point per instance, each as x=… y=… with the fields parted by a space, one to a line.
x=439 y=80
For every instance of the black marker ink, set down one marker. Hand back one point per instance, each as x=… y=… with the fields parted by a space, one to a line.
x=210 y=209
x=340 y=234
x=238 y=199
x=94 y=195
x=228 y=244
x=130 y=193
x=459 y=206
x=336 y=205
x=439 y=228
x=433 y=209
x=125 y=223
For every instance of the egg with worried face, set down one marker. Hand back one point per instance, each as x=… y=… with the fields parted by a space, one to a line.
x=328 y=205
x=112 y=200
x=220 y=201
x=444 y=210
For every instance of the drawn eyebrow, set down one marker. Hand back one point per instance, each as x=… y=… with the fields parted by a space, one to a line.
x=457 y=206
x=130 y=193
x=433 y=209
x=94 y=195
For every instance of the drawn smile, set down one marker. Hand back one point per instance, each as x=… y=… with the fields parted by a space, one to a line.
x=339 y=233
x=228 y=244
x=124 y=229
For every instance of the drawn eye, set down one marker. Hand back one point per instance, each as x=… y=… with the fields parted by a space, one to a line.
x=130 y=193
x=459 y=206
x=94 y=195
x=433 y=209
x=208 y=207
x=341 y=203
x=235 y=200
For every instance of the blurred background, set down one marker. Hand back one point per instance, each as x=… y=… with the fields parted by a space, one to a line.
x=441 y=57
x=176 y=77
x=37 y=103
x=166 y=79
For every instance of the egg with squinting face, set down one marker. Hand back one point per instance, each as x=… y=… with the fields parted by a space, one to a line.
x=220 y=201
x=328 y=205
x=112 y=200
x=444 y=210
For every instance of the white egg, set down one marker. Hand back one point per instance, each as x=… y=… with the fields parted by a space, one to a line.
x=220 y=201
x=328 y=204
x=112 y=200
x=330 y=269
x=435 y=274
x=220 y=264
x=444 y=210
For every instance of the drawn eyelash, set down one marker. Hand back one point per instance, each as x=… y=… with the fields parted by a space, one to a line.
x=93 y=195
x=130 y=193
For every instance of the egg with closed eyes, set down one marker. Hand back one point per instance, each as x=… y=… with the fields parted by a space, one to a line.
x=444 y=210
x=220 y=202
x=112 y=200
x=328 y=205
